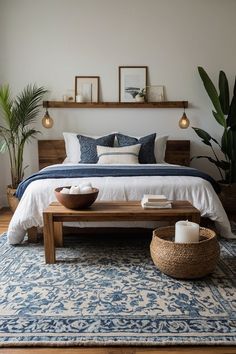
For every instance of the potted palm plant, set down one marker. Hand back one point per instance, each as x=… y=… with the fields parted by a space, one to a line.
x=225 y=114
x=16 y=129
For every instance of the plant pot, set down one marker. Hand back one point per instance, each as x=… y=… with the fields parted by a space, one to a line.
x=11 y=198
x=228 y=196
x=139 y=98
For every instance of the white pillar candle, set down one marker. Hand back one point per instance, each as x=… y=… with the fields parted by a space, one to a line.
x=186 y=232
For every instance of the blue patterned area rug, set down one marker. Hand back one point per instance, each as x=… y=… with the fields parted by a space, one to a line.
x=107 y=291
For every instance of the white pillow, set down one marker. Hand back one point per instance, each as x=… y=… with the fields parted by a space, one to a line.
x=118 y=155
x=160 y=148
x=72 y=146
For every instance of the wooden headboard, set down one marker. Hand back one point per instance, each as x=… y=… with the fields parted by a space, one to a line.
x=53 y=152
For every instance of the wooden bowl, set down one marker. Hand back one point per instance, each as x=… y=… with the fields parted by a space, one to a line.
x=76 y=201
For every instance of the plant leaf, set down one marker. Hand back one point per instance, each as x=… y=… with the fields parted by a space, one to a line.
x=230 y=150
x=224 y=165
x=221 y=120
x=211 y=91
x=206 y=138
x=224 y=142
x=3 y=146
x=224 y=92
x=231 y=120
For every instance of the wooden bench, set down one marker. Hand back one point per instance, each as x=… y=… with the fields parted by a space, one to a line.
x=56 y=214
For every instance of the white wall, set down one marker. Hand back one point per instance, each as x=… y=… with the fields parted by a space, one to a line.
x=51 y=41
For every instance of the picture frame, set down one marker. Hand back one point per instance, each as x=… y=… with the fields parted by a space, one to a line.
x=87 y=87
x=132 y=79
x=155 y=93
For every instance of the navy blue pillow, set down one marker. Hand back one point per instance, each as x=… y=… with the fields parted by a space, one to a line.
x=88 y=147
x=146 y=153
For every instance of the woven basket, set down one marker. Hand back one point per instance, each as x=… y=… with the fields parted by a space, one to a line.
x=11 y=198
x=184 y=260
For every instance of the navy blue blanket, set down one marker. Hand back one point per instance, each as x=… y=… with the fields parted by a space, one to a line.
x=114 y=171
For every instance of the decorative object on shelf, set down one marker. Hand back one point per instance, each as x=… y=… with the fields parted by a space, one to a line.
x=155 y=93
x=132 y=80
x=186 y=232
x=184 y=121
x=184 y=260
x=140 y=97
x=47 y=121
x=79 y=98
x=225 y=115
x=18 y=115
x=69 y=97
x=87 y=87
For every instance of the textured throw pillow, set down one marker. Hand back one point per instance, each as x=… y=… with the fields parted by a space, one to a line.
x=118 y=155
x=146 y=153
x=88 y=147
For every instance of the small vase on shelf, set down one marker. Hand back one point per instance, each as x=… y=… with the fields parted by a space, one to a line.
x=139 y=98
x=79 y=98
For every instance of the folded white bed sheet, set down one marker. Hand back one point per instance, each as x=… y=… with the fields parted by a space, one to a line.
x=39 y=194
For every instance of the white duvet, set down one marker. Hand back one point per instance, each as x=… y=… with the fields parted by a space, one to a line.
x=39 y=194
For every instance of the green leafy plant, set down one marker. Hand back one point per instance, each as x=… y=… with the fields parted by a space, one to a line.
x=142 y=93
x=225 y=114
x=17 y=116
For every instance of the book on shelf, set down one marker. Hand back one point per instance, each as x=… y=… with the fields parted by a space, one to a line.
x=155 y=201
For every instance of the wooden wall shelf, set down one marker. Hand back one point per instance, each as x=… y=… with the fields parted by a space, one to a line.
x=164 y=104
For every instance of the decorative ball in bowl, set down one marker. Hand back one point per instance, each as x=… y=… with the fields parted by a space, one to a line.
x=76 y=201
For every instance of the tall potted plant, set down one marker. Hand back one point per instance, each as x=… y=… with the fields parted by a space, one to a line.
x=225 y=114
x=17 y=115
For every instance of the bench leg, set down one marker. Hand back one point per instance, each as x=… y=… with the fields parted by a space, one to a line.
x=58 y=235
x=49 y=245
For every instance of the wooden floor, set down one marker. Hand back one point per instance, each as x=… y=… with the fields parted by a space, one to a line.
x=5 y=216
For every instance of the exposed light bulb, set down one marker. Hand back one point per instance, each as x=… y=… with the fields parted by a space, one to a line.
x=47 y=120
x=184 y=121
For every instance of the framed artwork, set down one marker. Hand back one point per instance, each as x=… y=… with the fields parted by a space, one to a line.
x=87 y=87
x=132 y=79
x=155 y=93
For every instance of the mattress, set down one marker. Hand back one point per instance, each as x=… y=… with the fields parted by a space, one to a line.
x=39 y=193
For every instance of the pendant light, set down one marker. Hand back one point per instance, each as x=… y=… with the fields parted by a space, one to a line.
x=47 y=120
x=184 y=121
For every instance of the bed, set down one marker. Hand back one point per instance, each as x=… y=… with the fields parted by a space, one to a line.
x=40 y=192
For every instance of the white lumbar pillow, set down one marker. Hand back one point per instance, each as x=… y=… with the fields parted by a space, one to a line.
x=118 y=155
